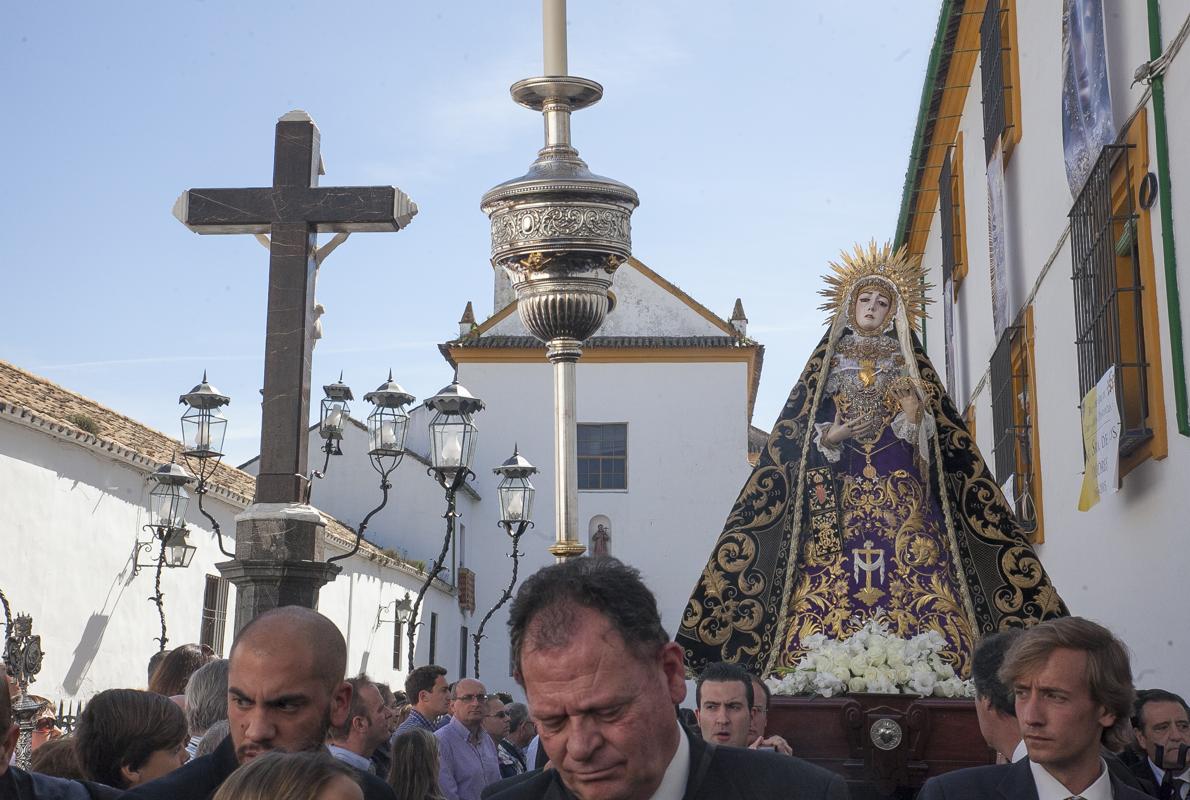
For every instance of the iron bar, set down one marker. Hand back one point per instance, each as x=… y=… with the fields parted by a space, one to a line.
x=457 y=479
x=359 y=534
x=200 y=491
x=159 y=598
x=477 y=637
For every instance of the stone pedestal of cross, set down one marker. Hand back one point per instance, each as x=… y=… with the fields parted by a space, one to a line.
x=279 y=542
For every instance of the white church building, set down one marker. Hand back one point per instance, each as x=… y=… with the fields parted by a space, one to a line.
x=665 y=397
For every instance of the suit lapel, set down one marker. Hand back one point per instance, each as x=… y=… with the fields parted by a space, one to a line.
x=1018 y=782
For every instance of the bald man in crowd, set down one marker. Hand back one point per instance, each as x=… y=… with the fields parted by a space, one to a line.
x=285 y=690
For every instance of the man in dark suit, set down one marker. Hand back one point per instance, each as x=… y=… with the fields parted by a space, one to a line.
x=1161 y=720
x=602 y=679
x=1072 y=684
x=286 y=689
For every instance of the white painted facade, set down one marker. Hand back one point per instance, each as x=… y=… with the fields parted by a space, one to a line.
x=75 y=503
x=1123 y=562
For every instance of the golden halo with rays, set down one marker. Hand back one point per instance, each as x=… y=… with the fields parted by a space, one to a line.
x=874 y=261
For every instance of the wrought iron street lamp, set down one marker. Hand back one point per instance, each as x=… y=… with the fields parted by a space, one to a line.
x=559 y=232
x=168 y=502
x=333 y=417
x=516 y=514
x=402 y=611
x=387 y=426
x=452 y=444
x=203 y=430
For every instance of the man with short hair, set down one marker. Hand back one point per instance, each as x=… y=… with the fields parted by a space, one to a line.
x=495 y=719
x=429 y=695
x=365 y=728
x=511 y=749
x=725 y=697
x=467 y=761
x=1162 y=723
x=602 y=678
x=1072 y=685
x=995 y=704
x=206 y=700
x=285 y=691
x=762 y=697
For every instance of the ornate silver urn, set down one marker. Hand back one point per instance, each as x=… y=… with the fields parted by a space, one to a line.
x=559 y=232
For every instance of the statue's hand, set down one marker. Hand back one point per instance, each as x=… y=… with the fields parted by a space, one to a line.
x=841 y=431
x=910 y=403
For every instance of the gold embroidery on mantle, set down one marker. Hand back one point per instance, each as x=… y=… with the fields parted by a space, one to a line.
x=922 y=592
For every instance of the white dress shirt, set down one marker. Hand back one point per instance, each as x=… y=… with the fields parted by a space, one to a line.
x=1020 y=752
x=1050 y=788
x=673 y=782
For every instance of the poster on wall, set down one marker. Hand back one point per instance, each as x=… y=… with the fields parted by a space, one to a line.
x=1087 y=123
x=1101 y=441
x=998 y=239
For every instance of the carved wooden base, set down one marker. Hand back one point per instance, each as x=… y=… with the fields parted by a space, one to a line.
x=884 y=745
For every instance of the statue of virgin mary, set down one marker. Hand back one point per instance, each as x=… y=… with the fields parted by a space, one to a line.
x=869 y=501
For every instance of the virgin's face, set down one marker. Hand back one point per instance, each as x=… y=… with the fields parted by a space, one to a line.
x=871 y=310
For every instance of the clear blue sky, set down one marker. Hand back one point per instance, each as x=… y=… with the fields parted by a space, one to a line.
x=762 y=137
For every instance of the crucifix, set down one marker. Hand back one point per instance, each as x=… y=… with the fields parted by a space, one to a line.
x=278 y=539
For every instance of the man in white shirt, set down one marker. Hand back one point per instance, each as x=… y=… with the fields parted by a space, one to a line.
x=1072 y=684
x=366 y=727
x=1162 y=724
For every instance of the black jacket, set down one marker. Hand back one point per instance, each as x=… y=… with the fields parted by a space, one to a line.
x=716 y=773
x=1001 y=782
x=17 y=784
x=200 y=778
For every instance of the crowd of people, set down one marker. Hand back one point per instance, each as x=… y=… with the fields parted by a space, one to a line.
x=605 y=684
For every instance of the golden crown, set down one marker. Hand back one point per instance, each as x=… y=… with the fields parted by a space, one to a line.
x=898 y=268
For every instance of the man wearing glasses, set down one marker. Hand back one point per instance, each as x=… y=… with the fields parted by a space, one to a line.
x=466 y=754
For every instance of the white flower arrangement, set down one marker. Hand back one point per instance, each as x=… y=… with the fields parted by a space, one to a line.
x=873 y=660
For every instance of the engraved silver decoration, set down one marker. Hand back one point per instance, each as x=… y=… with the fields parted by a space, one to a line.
x=22 y=657
x=886 y=734
x=559 y=232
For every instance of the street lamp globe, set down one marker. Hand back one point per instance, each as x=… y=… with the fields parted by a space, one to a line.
x=203 y=423
x=169 y=497
x=334 y=414
x=178 y=551
x=404 y=609
x=387 y=425
x=452 y=430
x=515 y=490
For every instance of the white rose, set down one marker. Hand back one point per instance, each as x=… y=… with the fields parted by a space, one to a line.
x=857 y=685
x=922 y=682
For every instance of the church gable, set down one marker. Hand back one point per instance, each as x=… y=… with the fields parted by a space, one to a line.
x=646 y=305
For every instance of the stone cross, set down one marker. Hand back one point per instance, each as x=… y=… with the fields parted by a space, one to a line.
x=293 y=210
x=279 y=539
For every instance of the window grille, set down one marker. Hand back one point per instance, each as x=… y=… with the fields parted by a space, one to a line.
x=1109 y=319
x=463 y=651
x=214 y=613
x=603 y=456
x=398 y=637
x=946 y=208
x=1012 y=423
x=433 y=638
x=991 y=68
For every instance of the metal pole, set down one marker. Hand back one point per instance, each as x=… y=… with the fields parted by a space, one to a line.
x=564 y=353
x=553 y=18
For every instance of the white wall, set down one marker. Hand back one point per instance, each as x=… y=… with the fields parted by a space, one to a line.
x=687 y=461
x=1124 y=561
x=72 y=517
